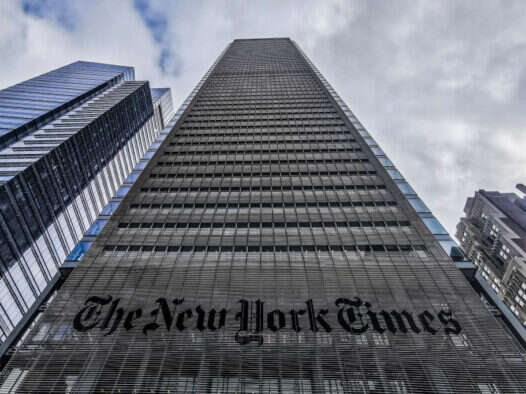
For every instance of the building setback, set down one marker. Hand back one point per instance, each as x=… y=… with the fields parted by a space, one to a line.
x=68 y=140
x=268 y=246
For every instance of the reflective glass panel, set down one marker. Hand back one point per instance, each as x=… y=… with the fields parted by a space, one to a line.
x=79 y=251
x=406 y=188
x=418 y=205
x=110 y=208
x=96 y=227
x=434 y=226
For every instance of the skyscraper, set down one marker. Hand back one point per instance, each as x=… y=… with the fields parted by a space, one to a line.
x=493 y=235
x=268 y=246
x=68 y=140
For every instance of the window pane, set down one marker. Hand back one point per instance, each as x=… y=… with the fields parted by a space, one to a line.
x=132 y=177
x=418 y=205
x=434 y=226
x=406 y=188
x=79 y=251
x=96 y=227
x=394 y=174
x=141 y=165
x=123 y=190
x=385 y=162
x=110 y=208
x=377 y=151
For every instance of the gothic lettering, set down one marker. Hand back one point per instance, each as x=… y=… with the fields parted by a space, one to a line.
x=90 y=312
x=295 y=320
x=166 y=314
x=374 y=319
x=426 y=318
x=259 y=315
x=242 y=316
x=446 y=319
x=200 y=325
x=181 y=317
x=317 y=318
x=130 y=317
x=106 y=314
x=271 y=320
x=118 y=312
x=351 y=316
x=399 y=319
x=212 y=318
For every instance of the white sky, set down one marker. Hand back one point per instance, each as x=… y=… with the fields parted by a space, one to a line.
x=440 y=85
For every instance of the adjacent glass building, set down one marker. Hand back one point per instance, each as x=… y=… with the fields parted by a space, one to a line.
x=68 y=140
x=269 y=245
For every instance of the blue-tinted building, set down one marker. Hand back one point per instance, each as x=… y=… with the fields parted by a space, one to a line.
x=68 y=140
x=33 y=103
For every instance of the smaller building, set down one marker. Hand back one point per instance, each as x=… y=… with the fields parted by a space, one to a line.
x=493 y=235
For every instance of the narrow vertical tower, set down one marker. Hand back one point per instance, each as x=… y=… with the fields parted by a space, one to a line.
x=269 y=246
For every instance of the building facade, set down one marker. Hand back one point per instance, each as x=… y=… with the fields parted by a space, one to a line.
x=163 y=103
x=268 y=246
x=493 y=235
x=68 y=140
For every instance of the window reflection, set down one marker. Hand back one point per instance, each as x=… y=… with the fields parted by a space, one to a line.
x=132 y=177
x=434 y=226
x=394 y=174
x=79 y=251
x=385 y=162
x=405 y=188
x=418 y=205
x=110 y=208
x=123 y=190
x=96 y=227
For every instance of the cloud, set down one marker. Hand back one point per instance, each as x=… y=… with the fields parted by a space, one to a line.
x=55 y=10
x=153 y=16
x=440 y=85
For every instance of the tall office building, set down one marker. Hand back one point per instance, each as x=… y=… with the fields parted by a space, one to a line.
x=493 y=235
x=68 y=140
x=268 y=246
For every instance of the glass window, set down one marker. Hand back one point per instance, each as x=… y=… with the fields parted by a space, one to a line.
x=79 y=251
x=488 y=388
x=15 y=378
x=377 y=151
x=385 y=162
x=20 y=283
x=369 y=141
x=448 y=246
x=405 y=188
x=418 y=205
x=363 y=133
x=434 y=226
x=132 y=177
x=96 y=227
x=123 y=190
x=140 y=166
x=394 y=174
x=110 y=208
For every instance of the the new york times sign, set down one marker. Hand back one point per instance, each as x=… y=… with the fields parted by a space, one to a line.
x=353 y=315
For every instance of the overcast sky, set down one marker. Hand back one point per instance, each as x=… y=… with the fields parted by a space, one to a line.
x=441 y=85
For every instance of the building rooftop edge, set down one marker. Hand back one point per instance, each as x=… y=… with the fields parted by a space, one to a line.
x=510 y=209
